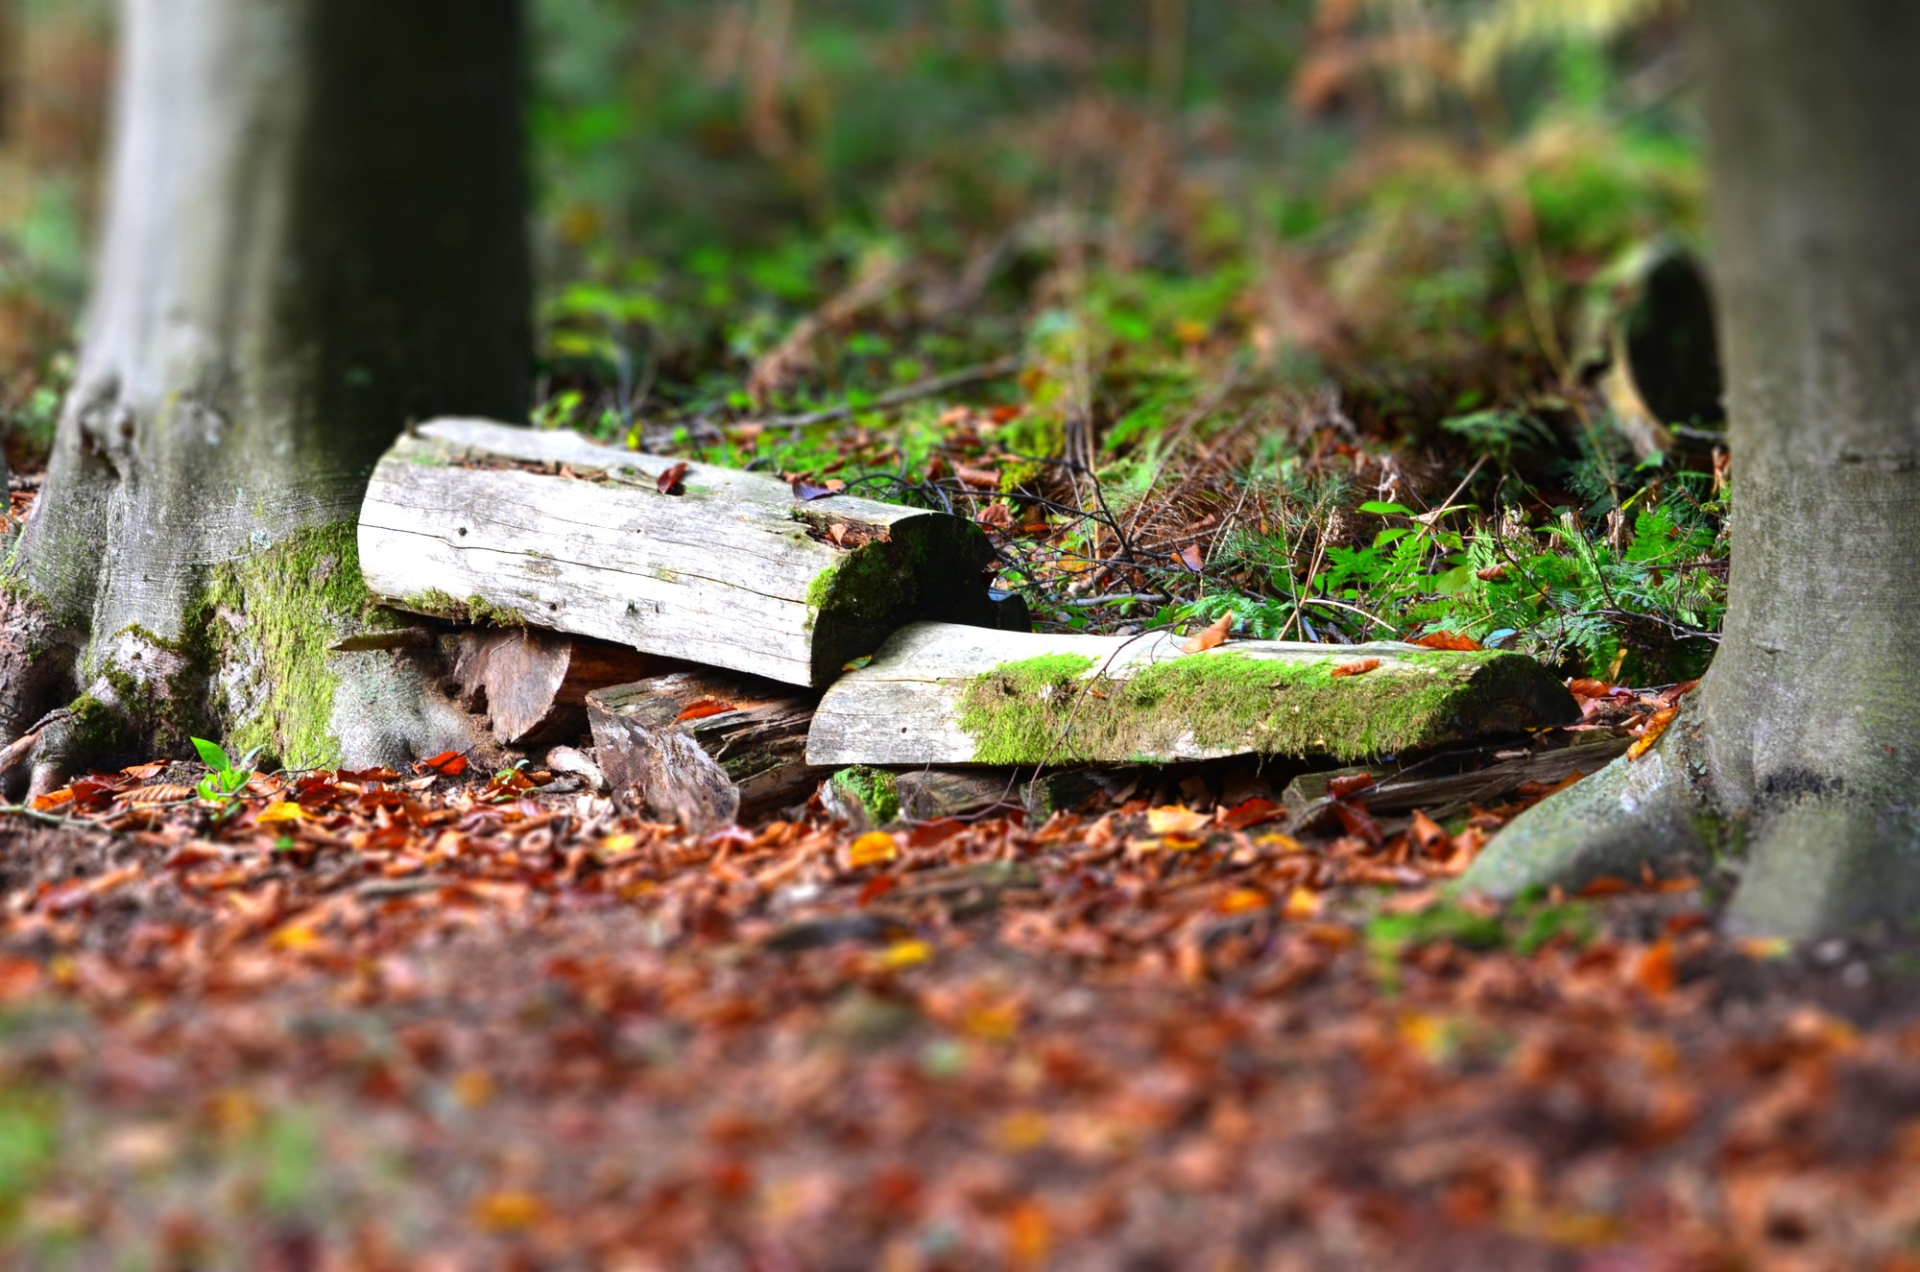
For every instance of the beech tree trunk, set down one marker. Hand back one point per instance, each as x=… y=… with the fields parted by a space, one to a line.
x=1802 y=747
x=315 y=232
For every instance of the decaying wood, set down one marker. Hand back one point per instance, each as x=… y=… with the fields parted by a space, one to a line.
x=1431 y=787
x=533 y=685
x=487 y=522
x=938 y=694
x=928 y=794
x=702 y=747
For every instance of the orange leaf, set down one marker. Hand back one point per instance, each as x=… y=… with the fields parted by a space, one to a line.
x=159 y=795
x=1214 y=635
x=52 y=799
x=280 y=812
x=447 y=763
x=1427 y=834
x=1654 y=971
x=669 y=481
x=1358 y=667
x=1353 y=783
x=1656 y=725
x=1189 y=557
x=704 y=708
x=1589 y=688
x=1251 y=813
x=1448 y=640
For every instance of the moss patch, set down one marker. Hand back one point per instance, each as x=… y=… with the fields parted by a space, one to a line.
x=876 y=790
x=1048 y=709
x=293 y=600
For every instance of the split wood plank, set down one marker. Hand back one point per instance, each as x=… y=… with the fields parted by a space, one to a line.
x=533 y=684
x=1442 y=794
x=943 y=694
x=479 y=521
x=703 y=748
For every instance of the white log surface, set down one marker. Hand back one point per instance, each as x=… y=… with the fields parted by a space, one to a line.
x=721 y=574
x=904 y=708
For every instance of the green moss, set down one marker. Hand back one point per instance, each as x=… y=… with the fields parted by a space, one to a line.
x=481 y=610
x=876 y=790
x=293 y=600
x=1048 y=709
x=95 y=726
x=436 y=604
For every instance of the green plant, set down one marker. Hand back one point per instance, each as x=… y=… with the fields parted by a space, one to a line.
x=228 y=778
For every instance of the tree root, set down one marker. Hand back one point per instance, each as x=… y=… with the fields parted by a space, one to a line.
x=1813 y=862
x=1633 y=815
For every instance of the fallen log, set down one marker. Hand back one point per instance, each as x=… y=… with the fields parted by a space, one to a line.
x=940 y=694
x=484 y=522
x=703 y=748
x=533 y=685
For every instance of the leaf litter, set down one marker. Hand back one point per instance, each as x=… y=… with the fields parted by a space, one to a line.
x=485 y=1020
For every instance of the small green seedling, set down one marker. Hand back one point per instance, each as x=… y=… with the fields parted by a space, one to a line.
x=228 y=778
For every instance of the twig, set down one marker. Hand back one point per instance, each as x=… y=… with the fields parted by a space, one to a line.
x=997 y=370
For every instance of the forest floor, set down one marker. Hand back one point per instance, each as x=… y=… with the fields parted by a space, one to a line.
x=424 y=1021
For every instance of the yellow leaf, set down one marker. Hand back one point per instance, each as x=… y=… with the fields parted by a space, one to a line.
x=614 y=846
x=281 y=811
x=1278 y=842
x=1172 y=819
x=296 y=936
x=1019 y=1132
x=874 y=848
x=472 y=1088
x=1241 y=900
x=1301 y=904
x=508 y=1211
x=908 y=953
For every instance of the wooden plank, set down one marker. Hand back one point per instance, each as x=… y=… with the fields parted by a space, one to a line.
x=1440 y=793
x=942 y=694
x=480 y=521
x=703 y=747
x=533 y=684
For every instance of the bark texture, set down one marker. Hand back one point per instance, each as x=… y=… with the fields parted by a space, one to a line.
x=1804 y=745
x=315 y=232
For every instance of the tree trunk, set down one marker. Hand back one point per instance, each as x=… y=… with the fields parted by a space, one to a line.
x=315 y=232
x=1804 y=742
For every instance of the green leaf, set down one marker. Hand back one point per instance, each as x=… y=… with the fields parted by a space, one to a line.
x=212 y=754
x=1386 y=509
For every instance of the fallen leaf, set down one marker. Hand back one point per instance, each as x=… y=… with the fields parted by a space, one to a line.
x=1173 y=819
x=1492 y=574
x=1301 y=904
x=281 y=811
x=1656 y=725
x=508 y=1211
x=806 y=491
x=668 y=483
x=996 y=515
x=1653 y=971
x=907 y=953
x=1351 y=784
x=1427 y=834
x=159 y=794
x=855 y=664
x=1448 y=640
x=141 y=772
x=1240 y=900
x=447 y=764
x=1589 y=688
x=1189 y=557
x=702 y=709
x=874 y=848
x=52 y=799
x=1214 y=636
x=1251 y=813
x=985 y=478
x=1358 y=667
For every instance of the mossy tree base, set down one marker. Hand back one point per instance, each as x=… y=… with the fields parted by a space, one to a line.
x=281 y=285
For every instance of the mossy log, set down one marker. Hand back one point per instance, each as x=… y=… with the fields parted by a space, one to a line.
x=941 y=694
x=486 y=522
x=703 y=748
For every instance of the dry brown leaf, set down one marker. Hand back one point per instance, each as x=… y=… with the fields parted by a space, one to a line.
x=1214 y=635
x=1358 y=667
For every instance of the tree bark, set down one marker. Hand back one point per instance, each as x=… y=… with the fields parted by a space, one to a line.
x=315 y=232
x=1804 y=744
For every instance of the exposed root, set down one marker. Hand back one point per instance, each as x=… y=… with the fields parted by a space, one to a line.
x=1825 y=865
x=1631 y=816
